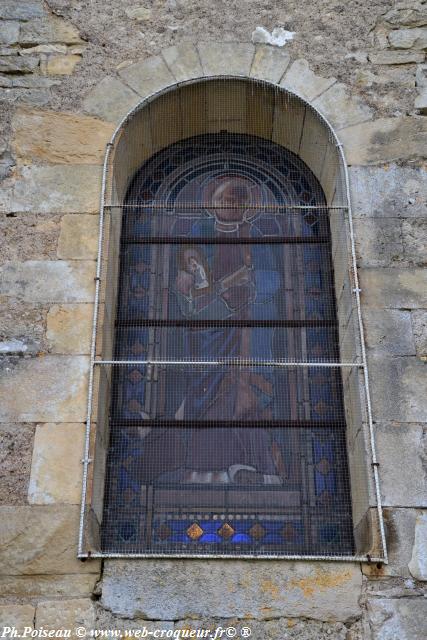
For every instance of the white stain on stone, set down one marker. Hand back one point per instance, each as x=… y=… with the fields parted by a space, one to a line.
x=13 y=346
x=277 y=38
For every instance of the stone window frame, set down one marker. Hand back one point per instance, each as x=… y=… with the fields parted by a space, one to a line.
x=370 y=533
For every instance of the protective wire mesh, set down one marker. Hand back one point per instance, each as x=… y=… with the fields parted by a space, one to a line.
x=224 y=413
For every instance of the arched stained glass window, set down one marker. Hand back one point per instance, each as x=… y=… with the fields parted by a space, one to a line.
x=228 y=395
x=233 y=441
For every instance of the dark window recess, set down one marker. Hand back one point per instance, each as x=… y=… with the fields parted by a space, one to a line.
x=225 y=273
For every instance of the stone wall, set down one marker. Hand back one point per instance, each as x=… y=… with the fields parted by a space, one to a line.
x=68 y=72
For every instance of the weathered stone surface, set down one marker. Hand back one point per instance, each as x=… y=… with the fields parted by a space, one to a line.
x=396 y=57
x=394 y=288
x=408 y=38
x=388 y=331
x=418 y=563
x=59 y=138
x=48 y=281
x=33 y=97
x=414 y=238
x=379 y=242
x=280 y=629
x=56 y=467
x=78 y=239
x=106 y=620
x=55 y=189
x=381 y=140
x=402 y=446
x=48 y=29
x=61 y=65
x=226 y=58
x=140 y=14
x=399 y=388
x=421 y=76
x=147 y=76
x=48 y=586
x=9 y=32
x=16 y=446
x=397 y=619
x=183 y=61
x=13 y=10
x=24 y=322
x=419 y=324
x=421 y=102
x=69 y=328
x=411 y=14
x=65 y=614
x=17 y=615
x=262 y=589
x=28 y=237
x=301 y=80
x=110 y=99
x=388 y=191
x=54 y=389
x=269 y=63
x=44 y=48
x=41 y=540
x=14 y=64
x=341 y=107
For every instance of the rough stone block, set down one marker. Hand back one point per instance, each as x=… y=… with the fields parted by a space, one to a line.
x=408 y=14
x=419 y=324
x=402 y=446
x=301 y=80
x=396 y=57
x=65 y=614
x=408 y=38
x=183 y=61
x=49 y=29
x=56 y=467
x=13 y=10
x=263 y=590
x=399 y=389
x=394 y=288
x=55 y=189
x=418 y=562
x=388 y=331
x=17 y=615
x=147 y=76
x=59 y=138
x=421 y=101
x=78 y=239
x=41 y=540
x=61 y=65
x=341 y=107
x=16 y=446
x=9 y=32
x=52 y=388
x=397 y=618
x=231 y=58
x=28 y=237
x=378 y=242
x=269 y=63
x=388 y=191
x=49 y=281
x=111 y=100
x=69 y=328
x=18 y=64
x=48 y=586
x=414 y=237
x=380 y=141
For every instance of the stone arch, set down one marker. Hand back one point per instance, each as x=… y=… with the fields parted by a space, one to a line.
x=172 y=97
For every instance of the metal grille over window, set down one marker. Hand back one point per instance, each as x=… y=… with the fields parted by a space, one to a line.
x=228 y=380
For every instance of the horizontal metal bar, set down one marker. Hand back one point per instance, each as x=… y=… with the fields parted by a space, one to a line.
x=206 y=205
x=226 y=240
x=203 y=424
x=233 y=363
x=236 y=556
x=144 y=322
